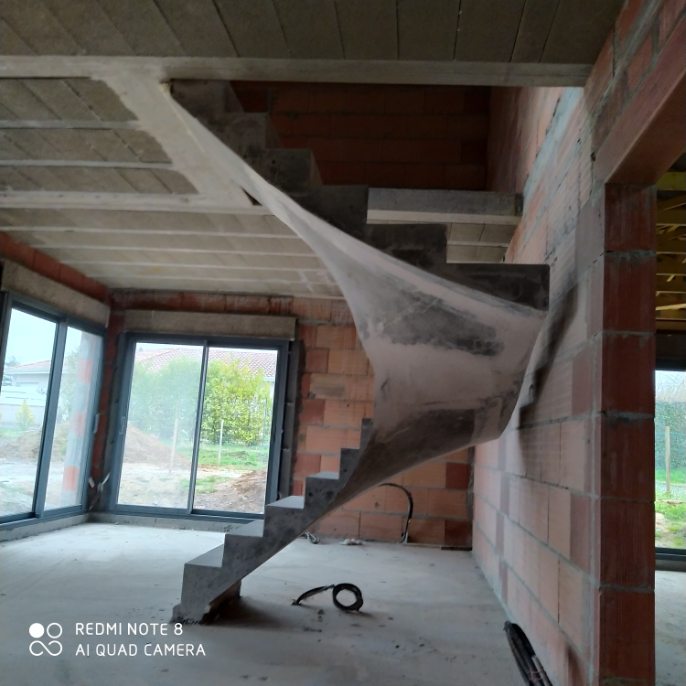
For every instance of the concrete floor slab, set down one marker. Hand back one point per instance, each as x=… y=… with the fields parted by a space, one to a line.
x=429 y=618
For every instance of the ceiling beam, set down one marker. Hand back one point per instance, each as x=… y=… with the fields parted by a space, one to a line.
x=91 y=164
x=67 y=124
x=385 y=204
x=132 y=202
x=457 y=207
x=418 y=72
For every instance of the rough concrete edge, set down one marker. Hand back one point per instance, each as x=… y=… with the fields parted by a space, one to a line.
x=209 y=323
x=179 y=523
x=23 y=281
x=13 y=531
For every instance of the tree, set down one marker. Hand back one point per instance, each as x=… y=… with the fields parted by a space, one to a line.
x=24 y=417
x=160 y=399
x=239 y=397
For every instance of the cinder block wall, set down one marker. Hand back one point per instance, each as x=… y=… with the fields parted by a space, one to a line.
x=563 y=524
x=335 y=394
x=377 y=135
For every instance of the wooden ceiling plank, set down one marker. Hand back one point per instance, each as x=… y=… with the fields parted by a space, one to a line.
x=307 y=38
x=38 y=27
x=143 y=26
x=60 y=98
x=11 y=42
x=254 y=27
x=480 y=38
x=101 y=99
x=198 y=27
x=427 y=29
x=33 y=144
x=534 y=27
x=579 y=29
x=24 y=104
x=368 y=29
x=90 y=26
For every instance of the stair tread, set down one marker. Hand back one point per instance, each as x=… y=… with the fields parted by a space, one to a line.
x=212 y=558
x=292 y=502
x=254 y=528
x=332 y=476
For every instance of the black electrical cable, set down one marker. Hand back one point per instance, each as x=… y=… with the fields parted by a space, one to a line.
x=529 y=665
x=336 y=589
x=410 y=509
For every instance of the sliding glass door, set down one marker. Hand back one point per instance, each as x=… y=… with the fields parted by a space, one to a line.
x=670 y=460
x=198 y=432
x=47 y=405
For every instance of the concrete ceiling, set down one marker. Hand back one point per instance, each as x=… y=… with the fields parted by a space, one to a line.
x=97 y=170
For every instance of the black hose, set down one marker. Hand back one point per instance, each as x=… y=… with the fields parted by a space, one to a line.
x=529 y=666
x=410 y=509
x=336 y=588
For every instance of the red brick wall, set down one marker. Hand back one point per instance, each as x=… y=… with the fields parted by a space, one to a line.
x=563 y=501
x=47 y=266
x=335 y=395
x=384 y=136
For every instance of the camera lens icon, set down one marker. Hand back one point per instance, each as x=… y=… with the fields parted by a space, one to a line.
x=52 y=647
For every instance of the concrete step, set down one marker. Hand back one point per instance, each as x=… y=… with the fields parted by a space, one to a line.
x=207 y=99
x=320 y=489
x=343 y=206
x=292 y=171
x=366 y=433
x=248 y=133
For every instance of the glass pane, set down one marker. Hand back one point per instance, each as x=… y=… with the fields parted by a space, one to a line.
x=23 y=398
x=72 y=425
x=236 y=430
x=158 y=446
x=670 y=459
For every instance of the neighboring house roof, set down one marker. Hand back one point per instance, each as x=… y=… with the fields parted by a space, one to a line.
x=256 y=361
x=40 y=367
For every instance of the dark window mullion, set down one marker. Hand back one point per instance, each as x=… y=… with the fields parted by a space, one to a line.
x=50 y=417
x=198 y=426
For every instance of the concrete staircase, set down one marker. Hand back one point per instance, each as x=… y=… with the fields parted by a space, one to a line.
x=449 y=343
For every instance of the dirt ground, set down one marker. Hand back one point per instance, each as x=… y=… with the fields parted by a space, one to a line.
x=148 y=476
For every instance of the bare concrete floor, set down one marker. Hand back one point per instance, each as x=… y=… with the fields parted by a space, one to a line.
x=670 y=628
x=429 y=618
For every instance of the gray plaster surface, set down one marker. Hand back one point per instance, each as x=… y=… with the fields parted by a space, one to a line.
x=670 y=628
x=428 y=618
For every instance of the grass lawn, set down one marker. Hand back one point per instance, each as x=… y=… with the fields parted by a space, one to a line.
x=677 y=476
x=234 y=456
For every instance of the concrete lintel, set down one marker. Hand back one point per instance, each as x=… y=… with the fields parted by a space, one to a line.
x=436 y=72
x=456 y=207
x=210 y=324
x=23 y=281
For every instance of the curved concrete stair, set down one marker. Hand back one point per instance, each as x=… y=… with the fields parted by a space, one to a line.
x=213 y=579
x=449 y=343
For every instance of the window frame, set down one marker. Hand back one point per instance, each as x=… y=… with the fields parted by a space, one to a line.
x=670 y=357
x=62 y=321
x=119 y=417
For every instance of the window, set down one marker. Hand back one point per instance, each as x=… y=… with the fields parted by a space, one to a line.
x=47 y=404
x=200 y=432
x=670 y=459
